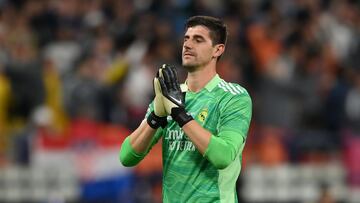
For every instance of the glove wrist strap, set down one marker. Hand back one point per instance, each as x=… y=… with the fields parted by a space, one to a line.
x=155 y=121
x=181 y=116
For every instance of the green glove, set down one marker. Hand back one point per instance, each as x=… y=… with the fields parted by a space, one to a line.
x=173 y=97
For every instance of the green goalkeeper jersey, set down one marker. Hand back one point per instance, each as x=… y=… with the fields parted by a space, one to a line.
x=189 y=176
x=224 y=109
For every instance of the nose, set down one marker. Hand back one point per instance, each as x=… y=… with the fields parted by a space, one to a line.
x=187 y=45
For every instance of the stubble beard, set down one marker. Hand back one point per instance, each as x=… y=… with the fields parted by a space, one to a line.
x=190 y=68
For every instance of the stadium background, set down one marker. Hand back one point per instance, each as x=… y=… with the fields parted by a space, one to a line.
x=76 y=75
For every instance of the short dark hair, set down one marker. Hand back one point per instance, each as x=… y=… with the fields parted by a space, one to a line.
x=218 y=30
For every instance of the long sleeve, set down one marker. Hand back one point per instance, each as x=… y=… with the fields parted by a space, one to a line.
x=233 y=126
x=128 y=156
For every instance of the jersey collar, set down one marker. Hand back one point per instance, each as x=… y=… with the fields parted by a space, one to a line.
x=213 y=83
x=209 y=86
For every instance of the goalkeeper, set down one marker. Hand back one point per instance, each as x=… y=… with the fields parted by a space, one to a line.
x=203 y=123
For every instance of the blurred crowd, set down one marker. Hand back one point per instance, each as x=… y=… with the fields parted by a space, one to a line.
x=64 y=62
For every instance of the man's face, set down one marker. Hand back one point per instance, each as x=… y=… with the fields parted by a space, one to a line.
x=197 y=47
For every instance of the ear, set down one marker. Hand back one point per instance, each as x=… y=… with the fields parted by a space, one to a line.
x=218 y=50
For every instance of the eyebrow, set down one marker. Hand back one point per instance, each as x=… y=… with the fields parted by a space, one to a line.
x=195 y=36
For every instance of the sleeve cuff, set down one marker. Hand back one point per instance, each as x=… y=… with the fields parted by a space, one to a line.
x=128 y=156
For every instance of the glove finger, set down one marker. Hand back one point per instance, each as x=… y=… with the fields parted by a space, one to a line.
x=160 y=72
x=161 y=69
x=164 y=89
x=157 y=88
x=163 y=73
x=167 y=78
x=174 y=78
x=173 y=73
x=154 y=86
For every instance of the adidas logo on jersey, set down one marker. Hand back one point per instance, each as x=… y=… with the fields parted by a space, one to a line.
x=229 y=87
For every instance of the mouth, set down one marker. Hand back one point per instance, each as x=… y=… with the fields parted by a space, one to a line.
x=188 y=54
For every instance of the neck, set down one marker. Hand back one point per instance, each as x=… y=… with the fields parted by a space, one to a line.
x=198 y=79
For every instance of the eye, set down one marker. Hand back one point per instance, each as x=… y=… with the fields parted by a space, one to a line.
x=199 y=39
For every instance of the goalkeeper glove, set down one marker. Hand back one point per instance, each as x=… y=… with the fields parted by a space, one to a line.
x=173 y=97
x=157 y=118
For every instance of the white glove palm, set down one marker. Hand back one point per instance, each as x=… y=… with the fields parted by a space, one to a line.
x=159 y=108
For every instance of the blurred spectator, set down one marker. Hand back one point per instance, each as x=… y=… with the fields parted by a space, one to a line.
x=54 y=95
x=23 y=70
x=64 y=50
x=272 y=151
x=4 y=111
x=352 y=105
x=83 y=91
x=351 y=153
x=136 y=93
